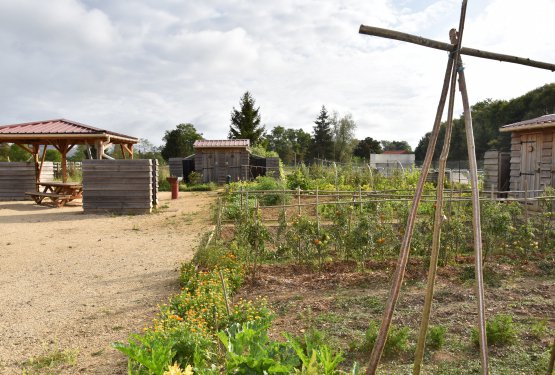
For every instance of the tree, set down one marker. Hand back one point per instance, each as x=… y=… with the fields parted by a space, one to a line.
x=279 y=140
x=366 y=147
x=19 y=154
x=4 y=152
x=344 y=136
x=396 y=146
x=323 y=137
x=302 y=145
x=245 y=123
x=487 y=117
x=292 y=145
x=179 y=142
x=53 y=155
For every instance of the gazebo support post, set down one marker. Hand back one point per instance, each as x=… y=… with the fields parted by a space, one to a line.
x=36 y=149
x=99 y=149
x=41 y=162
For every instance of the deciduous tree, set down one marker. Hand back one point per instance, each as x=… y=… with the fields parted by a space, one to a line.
x=179 y=142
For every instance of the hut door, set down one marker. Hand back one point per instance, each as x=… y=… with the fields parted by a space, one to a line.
x=530 y=163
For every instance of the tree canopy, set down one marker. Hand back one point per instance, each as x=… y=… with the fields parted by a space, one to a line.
x=292 y=145
x=343 y=137
x=367 y=146
x=179 y=142
x=396 y=146
x=245 y=122
x=487 y=117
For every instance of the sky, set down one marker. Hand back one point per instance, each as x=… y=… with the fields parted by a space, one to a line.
x=141 y=67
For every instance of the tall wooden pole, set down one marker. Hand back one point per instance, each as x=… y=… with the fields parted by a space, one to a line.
x=377 y=350
x=438 y=216
x=476 y=225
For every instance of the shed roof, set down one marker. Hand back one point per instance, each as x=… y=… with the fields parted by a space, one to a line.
x=57 y=128
x=396 y=152
x=227 y=143
x=542 y=122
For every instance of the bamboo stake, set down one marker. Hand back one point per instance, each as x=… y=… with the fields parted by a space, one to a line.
x=392 y=34
x=476 y=225
x=405 y=245
x=225 y=292
x=551 y=360
x=438 y=216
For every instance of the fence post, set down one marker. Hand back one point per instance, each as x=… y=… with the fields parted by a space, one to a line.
x=317 y=213
x=360 y=197
x=299 y=200
x=247 y=201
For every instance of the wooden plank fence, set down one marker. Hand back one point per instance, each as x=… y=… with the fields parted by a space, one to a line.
x=15 y=179
x=120 y=186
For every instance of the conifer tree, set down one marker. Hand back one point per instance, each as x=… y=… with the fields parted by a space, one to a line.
x=323 y=137
x=245 y=122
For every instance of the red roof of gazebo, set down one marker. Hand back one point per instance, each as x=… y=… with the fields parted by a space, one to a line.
x=58 y=126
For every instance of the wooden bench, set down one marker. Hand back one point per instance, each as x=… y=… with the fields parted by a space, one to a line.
x=57 y=199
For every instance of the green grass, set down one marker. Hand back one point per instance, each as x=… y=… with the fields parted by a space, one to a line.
x=50 y=361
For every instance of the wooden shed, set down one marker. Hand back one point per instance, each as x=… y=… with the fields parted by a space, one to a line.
x=217 y=159
x=532 y=165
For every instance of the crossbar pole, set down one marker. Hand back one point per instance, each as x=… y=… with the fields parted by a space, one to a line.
x=409 y=38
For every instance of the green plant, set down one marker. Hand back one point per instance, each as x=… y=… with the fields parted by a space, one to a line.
x=397 y=339
x=436 y=337
x=316 y=358
x=199 y=187
x=500 y=331
x=195 y=178
x=539 y=329
x=148 y=354
x=256 y=310
x=250 y=351
x=268 y=183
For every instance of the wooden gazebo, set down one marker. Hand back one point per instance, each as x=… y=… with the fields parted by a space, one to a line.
x=63 y=135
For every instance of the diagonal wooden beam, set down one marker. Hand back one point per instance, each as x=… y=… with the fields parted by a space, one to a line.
x=21 y=145
x=404 y=37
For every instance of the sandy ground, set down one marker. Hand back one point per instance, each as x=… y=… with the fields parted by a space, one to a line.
x=75 y=282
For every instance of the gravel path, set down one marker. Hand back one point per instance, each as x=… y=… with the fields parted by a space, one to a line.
x=75 y=283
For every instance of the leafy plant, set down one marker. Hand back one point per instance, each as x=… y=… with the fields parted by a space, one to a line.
x=500 y=331
x=250 y=351
x=396 y=343
x=539 y=329
x=148 y=354
x=436 y=337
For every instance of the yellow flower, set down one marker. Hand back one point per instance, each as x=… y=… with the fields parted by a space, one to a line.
x=176 y=370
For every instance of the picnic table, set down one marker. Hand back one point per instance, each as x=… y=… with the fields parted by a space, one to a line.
x=59 y=193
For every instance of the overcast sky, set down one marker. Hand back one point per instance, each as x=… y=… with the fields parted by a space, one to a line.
x=142 y=67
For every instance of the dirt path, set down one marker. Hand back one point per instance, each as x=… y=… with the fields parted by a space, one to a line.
x=76 y=283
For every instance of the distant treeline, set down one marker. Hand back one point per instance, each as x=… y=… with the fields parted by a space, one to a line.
x=487 y=117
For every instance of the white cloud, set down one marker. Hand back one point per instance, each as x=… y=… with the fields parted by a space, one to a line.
x=141 y=68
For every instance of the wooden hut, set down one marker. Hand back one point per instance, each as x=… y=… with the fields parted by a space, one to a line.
x=217 y=159
x=532 y=165
x=220 y=160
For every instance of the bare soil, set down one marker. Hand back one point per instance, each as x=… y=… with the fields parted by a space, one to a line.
x=340 y=300
x=76 y=283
